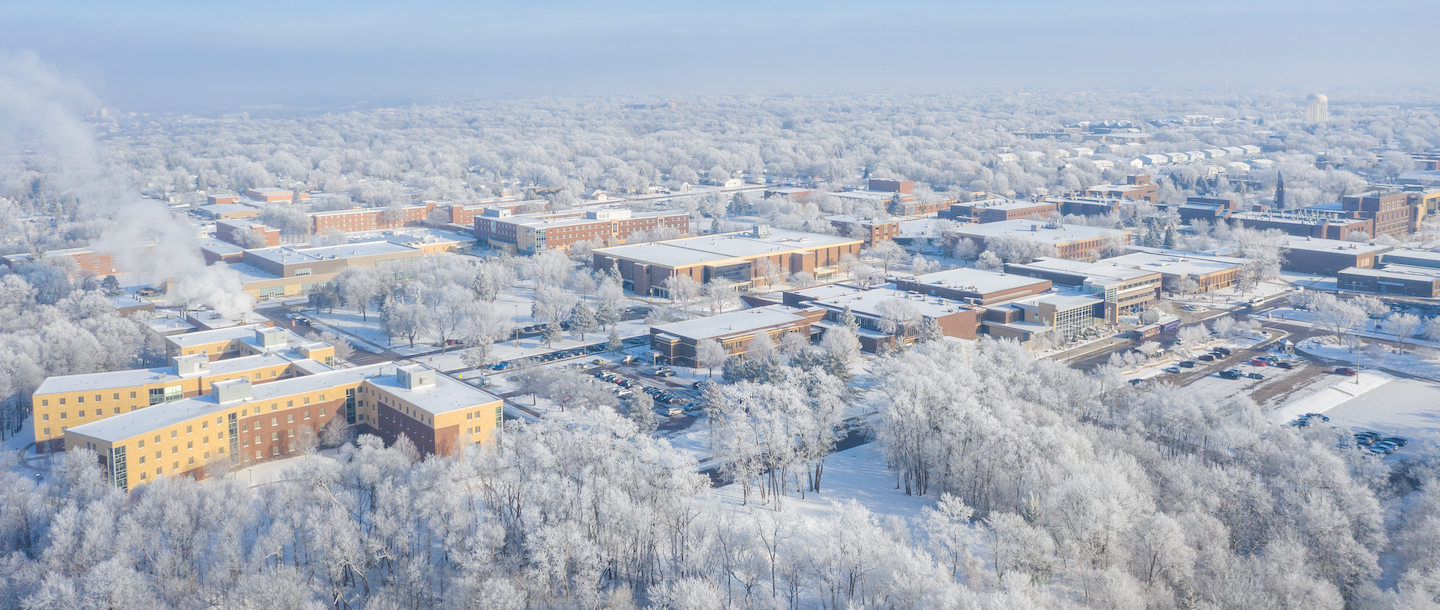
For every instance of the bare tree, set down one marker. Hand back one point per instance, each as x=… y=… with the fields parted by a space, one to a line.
x=710 y=354
x=1403 y=325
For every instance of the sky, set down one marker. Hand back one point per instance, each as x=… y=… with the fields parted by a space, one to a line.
x=148 y=55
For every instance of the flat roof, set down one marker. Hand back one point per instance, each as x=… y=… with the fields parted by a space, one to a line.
x=1397 y=272
x=1004 y=204
x=244 y=332
x=1036 y=230
x=726 y=324
x=285 y=255
x=443 y=396
x=220 y=247
x=1334 y=245
x=1173 y=264
x=691 y=251
x=824 y=292
x=216 y=209
x=1062 y=300
x=135 y=377
x=1412 y=254
x=869 y=302
x=976 y=280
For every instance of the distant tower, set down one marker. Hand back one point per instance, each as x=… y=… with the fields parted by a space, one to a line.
x=1317 y=108
x=1280 y=192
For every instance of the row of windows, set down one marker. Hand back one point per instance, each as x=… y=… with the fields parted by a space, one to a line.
x=45 y=402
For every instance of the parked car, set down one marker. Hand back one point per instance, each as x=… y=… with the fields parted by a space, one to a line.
x=1206 y=358
x=674 y=412
x=664 y=371
x=1259 y=362
x=1284 y=365
x=1345 y=370
x=635 y=340
x=1172 y=369
x=1189 y=364
x=1230 y=374
x=1223 y=350
x=1399 y=442
x=1255 y=376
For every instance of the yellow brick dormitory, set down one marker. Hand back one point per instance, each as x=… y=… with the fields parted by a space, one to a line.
x=244 y=422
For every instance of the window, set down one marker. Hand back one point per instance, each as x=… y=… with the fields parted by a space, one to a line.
x=62 y=415
x=302 y=272
x=80 y=399
x=174 y=466
x=142 y=476
x=81 y=413
x=189 y=445
x=469 y=416
x=174 y=449
x=207 y=455
x=62 y=401
x=205 y=440
x=117 y=410
x=99 y=398
x=274 y=421
x=289 y=403
x=132 y=395
x=191 y=461
x=290 y=419
x=307 y=400
x=99 y=412
x=142 y=443
x=44 y=402
x=142 y=459
x=290 y=433
x=189 y=429
x=274 y=436
x=47 y=432
x=44 y=417
x=322 y=411
x=205 y=425
x=307 y=415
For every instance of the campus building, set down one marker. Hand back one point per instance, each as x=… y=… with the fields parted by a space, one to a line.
x=739 y=259
x=241 y=422
x=1408 y=256
x=229 y=211
x=974 y=286
x=1185 y=272
x=77 y=262
x=997 y=210
x=1392 y=279
x=242 y=340
x=531 y=233
x=954 y=317
x=1117 y=288
x=71 y=400
x=1389 y=212
x=1330 y=256
x=287 y=271
x=464 y=214
x=369 y=219
x=1306 y=223
x=872 y=230
x=274 y=195
x=1070 y=241
x=1092 y=206
x=1136 y=188
x=677 y=343
x=227 y=230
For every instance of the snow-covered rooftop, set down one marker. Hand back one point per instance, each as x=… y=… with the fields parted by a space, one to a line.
x=733 y=323
x=976 y=280
x=716 y=248
x=1040 y=231
x=868 y=302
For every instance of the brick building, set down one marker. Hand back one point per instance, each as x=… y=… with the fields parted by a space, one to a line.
x=1391 y=279
x=1390 y=213
x=1317 y=224
x=242 y=423
x=1137 y=188
x=735 y=258
x=998 y=210
x=370 y=219
x=974 y=286
x=532 y=233
x=677 y=343
x=1070 y=241
x=1118 y=288
x=274 y=195
x=872 y=230
x=225 y=230
x=71 y=400
x=1329 y=256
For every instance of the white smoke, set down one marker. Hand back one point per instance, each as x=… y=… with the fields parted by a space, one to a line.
x=40 y=110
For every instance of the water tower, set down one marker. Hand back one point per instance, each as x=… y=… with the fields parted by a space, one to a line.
x=1317 y=108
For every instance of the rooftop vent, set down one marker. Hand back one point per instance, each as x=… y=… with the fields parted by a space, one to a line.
x=232 y=390
x=412 y=376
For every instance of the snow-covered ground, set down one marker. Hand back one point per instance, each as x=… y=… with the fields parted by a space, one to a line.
x=1229 y=298
x=1371 y=329
x=1342 y=390
x=1409 y=408
x=276 y=470
x=858 y=474
x=1419 y=362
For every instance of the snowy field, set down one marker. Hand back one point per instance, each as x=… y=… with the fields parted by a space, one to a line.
x=1408 y=408
x=857 y=474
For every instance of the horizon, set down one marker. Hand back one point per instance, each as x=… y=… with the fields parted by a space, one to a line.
x=201 y=59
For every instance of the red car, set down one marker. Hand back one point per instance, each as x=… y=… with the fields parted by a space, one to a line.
x=1345 y=370
x=1259 y=362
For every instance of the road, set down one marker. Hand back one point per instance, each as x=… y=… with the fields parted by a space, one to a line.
x=1089 y=361
x=281 y=317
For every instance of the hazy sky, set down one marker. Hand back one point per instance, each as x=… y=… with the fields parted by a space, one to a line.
x=151 y=55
